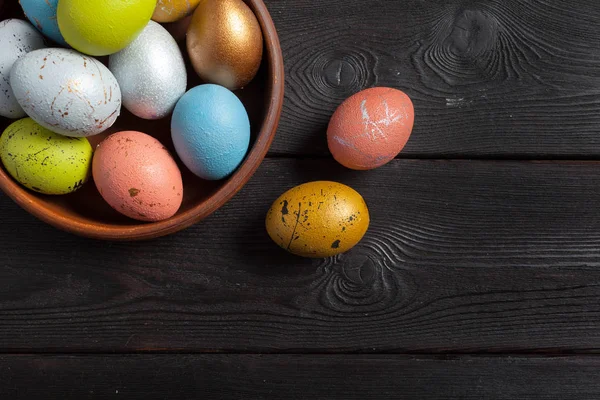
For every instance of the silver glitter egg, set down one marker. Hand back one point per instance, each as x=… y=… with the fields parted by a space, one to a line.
x=151 y=73
x=17 y=38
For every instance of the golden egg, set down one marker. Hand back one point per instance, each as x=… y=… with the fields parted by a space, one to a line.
x=173 y=10
x=318 y=219
x=225 y=43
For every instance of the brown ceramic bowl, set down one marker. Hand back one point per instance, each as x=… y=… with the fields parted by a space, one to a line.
x=85 y=212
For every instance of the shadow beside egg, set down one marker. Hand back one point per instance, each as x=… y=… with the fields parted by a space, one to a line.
x=262 y=256
x=88 y=204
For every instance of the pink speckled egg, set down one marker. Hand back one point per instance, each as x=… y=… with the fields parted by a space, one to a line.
x=370 y=128
x=137 y=176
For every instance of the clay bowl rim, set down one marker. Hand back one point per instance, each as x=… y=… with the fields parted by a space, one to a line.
x=275 y=80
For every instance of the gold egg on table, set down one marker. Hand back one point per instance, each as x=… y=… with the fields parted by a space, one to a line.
x=225 y=43
x=318 y=219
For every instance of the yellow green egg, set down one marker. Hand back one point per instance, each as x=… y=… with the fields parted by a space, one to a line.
x=103 y=27
x=44 y=161
x=318 y=219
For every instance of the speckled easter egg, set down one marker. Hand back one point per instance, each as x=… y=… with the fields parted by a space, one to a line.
x=137 y=176
x=66 y=92
x=211 y=131
x=151 y=73
x=44 y=161
x=103 y=27
x=42 y=14
x=318 y=219
x=173 y=10
x=370 y=128
x=17 y=38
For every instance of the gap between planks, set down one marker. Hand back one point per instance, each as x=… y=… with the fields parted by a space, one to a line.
x=545 y=354
x=438 y=157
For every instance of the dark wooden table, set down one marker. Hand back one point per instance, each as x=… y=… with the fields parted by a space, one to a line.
x=478 y=279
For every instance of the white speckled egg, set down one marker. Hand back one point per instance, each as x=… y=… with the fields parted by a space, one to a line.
x=66 y=92
x=151 y=73
x=17 y=38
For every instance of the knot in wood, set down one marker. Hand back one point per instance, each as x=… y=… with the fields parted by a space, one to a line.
x=474 y=33
x=359 y=281
x=340 y=74
x=465 y=51
x=359 y=269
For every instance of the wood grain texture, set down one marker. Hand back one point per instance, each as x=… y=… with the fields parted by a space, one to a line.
x=498 y=78
x=297 y=377
x=460 y=257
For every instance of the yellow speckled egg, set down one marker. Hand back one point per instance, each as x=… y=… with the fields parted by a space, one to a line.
x=45 y=161
x=318 y=219
x=102 y=27
x=173 y=10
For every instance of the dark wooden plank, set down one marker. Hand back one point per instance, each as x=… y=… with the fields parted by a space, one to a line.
x=460 y=256
x=501 y=78
x=162 y=377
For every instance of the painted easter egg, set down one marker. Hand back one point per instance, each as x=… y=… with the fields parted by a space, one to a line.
x=44 y=161
x=318 y=219
x=42 y=14
x=370 y=128
x=103 y=27
x=66 y=92
x=211 y=131
x=173 y=10
x=17 y=38
x=151 y=73
x=137 y=176
x=225 y=43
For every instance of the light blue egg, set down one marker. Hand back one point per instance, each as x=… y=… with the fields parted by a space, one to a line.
x=42 y=14
x=211 y=131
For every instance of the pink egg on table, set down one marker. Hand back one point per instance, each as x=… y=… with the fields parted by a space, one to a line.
x=137 y=176
x=370 y=128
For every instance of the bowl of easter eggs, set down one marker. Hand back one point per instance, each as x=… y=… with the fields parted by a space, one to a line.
x=133 y=120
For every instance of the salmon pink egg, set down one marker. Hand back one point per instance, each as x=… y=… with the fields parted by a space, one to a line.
x=137 y=176
x=370 y=128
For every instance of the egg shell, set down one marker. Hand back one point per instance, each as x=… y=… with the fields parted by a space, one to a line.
x=370 y=128
x=17 y=38
x=211 y=131
x=151 y=73
x=225 y=43
x=103 y=27
x=42 y=14
x=66 y=92
x=173 y=10
x=137 y=176
x=44 y=161
x=318 y=219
